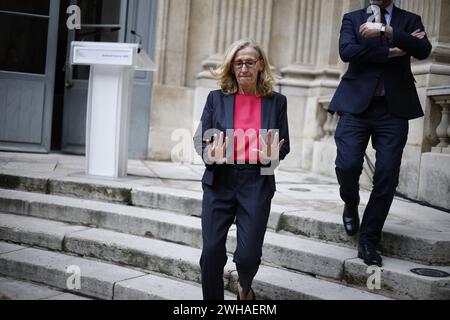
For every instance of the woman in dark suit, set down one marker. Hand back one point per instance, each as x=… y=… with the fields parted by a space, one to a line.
x=242 y=135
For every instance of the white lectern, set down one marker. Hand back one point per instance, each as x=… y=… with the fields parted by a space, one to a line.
x=109 y=102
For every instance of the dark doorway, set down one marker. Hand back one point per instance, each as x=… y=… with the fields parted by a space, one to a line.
x=58 y=104
x=27 y=71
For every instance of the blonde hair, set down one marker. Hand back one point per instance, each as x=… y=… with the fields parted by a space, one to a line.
x=227 y=80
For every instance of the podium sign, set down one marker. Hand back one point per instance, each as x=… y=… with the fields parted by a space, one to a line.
x=109 y=102
x=88 y=56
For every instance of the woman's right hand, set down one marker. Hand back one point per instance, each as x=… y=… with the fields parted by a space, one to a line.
x=217 y=149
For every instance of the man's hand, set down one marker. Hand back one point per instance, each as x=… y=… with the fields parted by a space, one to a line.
x=419 y=34
x=396 y=52
x=373 y=29
x=370 y=29
x=217 y=149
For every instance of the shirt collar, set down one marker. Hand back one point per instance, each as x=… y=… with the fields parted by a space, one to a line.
x=390 y=8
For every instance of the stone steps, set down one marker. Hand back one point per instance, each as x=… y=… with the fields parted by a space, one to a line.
x=299 y=243
x=126 y=219
x=291 y=252
x=13 y=289
x=400 y=240
x=108 y=281
x=99 y=280
x=334 y=263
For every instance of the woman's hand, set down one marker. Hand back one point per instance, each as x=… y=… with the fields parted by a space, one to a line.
x=270 y=150
x=217 y=149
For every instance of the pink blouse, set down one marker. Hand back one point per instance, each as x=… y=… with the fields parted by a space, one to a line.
x=247 y=126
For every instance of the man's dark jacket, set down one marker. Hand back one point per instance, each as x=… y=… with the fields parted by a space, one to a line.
x=369 y=59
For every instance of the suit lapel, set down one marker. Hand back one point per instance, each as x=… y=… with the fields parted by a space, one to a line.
x=364 y=16
x=396 y=18
x=229 y=111
x=266 y=105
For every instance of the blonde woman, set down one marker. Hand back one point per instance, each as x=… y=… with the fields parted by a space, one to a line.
x=243 y=129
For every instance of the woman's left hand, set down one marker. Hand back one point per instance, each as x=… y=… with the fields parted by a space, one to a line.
x=270 y=150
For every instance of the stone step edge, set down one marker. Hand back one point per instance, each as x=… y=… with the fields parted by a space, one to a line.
x=53 y=185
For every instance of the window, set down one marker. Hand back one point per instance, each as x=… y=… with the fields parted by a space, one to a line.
x=24 y=42
x=99 y=11
x=41 y=7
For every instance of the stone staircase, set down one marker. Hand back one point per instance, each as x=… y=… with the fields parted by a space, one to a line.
x=134 y=239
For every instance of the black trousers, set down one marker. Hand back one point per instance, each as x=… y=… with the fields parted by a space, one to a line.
x=244 y=196
x=389 y=135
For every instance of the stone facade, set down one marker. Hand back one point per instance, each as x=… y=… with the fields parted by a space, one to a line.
x=300 y=38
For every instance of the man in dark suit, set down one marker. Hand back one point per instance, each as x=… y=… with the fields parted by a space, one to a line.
x=375 y=99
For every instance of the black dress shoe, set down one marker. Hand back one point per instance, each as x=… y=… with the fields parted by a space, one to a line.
x=350 y=218
x=370 y=256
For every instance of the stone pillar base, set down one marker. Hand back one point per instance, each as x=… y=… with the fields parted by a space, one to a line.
x=434 y=181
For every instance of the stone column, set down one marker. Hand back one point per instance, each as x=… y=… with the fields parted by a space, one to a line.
x=172 y=41
x=311 y=72
x=313 y=60
x=171 y=107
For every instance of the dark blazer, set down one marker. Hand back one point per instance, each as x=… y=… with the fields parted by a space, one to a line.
x=369 y=58
x=218 y=114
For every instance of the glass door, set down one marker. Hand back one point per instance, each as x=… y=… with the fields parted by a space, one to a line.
x=27 y=68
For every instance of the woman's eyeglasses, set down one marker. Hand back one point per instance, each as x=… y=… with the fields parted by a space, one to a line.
x=249 y=64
